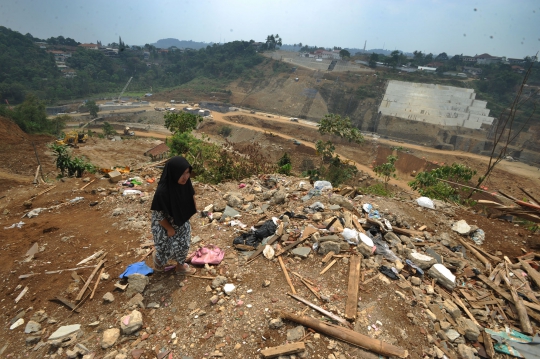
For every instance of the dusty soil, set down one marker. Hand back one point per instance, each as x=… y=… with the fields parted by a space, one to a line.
x=66 y=233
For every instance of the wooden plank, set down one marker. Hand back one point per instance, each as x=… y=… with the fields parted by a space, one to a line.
x=98 y=266
x=286 y=349
x=352 y=289
x=348 y=336
x=286 y=274
x=535 y=276
x=97 y=282
x=328 y=256
x=23 y=292
x=88 y=259
x=35 y=181
x=89 y=183
x=488 y=344
x=328 y=267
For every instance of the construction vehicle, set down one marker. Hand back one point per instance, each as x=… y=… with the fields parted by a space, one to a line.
x=72 y=138
x=127 y=132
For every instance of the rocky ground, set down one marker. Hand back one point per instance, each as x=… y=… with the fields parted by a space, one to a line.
x=170 y=316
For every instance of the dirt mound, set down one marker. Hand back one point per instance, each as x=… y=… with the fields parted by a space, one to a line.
x=10 y=132
x=18 y=160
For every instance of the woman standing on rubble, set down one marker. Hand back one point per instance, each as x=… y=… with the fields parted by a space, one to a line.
x=172 y=207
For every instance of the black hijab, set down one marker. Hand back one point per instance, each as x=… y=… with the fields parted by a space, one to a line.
x=172 y=198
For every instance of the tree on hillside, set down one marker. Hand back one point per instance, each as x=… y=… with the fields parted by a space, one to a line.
x=373 y=60
x=32 y=117
x=92 y=108
x=273 y=42
x=181 y=122
x=442 y=56
x=342 y=127
x=344 y=54
x=387 y=170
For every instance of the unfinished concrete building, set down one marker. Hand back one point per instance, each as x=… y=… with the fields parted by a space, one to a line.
x=435 y=104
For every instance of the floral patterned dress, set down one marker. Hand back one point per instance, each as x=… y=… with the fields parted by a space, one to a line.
x=167 y=248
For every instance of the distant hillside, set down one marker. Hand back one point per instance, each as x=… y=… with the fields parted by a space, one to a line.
x=181 y=44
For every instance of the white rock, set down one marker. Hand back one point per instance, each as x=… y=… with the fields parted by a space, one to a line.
x=443 y=276
x=461 y=227
x=269 y=252
x=16 y=324
x=229 y=288
x=64 y=331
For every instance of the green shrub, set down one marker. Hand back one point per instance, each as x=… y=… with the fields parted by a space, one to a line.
x=225 y=131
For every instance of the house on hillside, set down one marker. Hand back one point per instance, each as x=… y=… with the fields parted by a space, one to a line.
x=518 y=69
x=159 y=152
x=470 y=59
x=89 y=46
x=435 y=64
x=487 y=59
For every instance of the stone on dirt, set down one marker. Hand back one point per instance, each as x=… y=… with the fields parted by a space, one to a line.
x=108 y=297
x=470 y=329
x=421 y=260
x=109 y=337
x=64 y=331
x=32 y=327
x=137 y=284
x=461 y=227
x=296 y=333
x=131 y=323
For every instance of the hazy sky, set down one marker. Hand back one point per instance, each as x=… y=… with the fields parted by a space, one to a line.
x=469 y=27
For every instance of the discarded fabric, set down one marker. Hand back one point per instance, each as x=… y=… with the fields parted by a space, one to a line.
x=322 y=185
x=137 y=268
x=350 y=235
x=76 y=199
x=388 y=272
x=208 y=255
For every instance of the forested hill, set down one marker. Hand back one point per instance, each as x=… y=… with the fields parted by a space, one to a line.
x=25 y=68
x=181 y=44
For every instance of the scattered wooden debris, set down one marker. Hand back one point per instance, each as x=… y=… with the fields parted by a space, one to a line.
x=65 y=302
x=21 y=294
x=286 y=349
x=88 y=259
x=321 y=310
x=348 y=335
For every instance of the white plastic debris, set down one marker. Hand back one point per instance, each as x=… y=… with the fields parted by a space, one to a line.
x=364 y=238
x=17 y=324
x=322 y=185
x=76 y=199
x=425 y=202
x=128 y=192
x=15 y=225
x=350 y=235
x=35 y=212
x=269 y=252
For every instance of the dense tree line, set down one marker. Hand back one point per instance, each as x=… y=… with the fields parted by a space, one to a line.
x=25 y=68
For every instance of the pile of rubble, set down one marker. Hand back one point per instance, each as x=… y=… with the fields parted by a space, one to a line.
x=309 y=271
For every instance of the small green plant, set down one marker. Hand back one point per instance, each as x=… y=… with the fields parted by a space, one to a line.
x=108 y=129
x=284 y=164
x=67 y=165
x=377 y=189
x=432 y=183
x=225 y=131
x=387 y=170
x=181 y=122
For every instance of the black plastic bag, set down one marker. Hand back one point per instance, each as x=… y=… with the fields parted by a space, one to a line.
x=255 y=238
x=388 y=272
x=267 y=229
x=247 y=239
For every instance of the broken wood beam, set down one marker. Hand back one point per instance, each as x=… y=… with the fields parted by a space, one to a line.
x=285 y=349
x=328 y=256
x=348 y=336
x=328 y=267
x=98 y=266
x=323 y=311
x=35 y=181
x=352 y=289
x=477 y=254
x=286 y=274
x=86 y=185
x=535 y=276
x=509 y=298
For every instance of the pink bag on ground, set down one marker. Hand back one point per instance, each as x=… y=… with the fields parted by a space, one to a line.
x=207 y=255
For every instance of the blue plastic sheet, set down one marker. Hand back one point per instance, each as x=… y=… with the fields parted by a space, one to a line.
x=137 y=268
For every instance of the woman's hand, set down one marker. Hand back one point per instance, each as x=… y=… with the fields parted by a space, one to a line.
x=171 y=232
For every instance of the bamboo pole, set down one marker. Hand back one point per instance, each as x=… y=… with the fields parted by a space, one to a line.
x=323 y=311
x=347 y=335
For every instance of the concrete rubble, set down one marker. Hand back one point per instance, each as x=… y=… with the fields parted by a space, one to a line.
x=439 y=287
